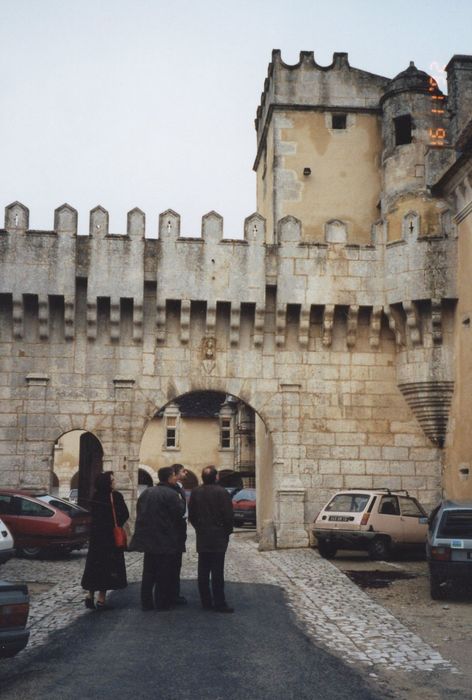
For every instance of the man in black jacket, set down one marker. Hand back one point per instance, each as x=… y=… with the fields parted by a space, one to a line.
x=211 y=513
x=158 y=517
x=181 y=473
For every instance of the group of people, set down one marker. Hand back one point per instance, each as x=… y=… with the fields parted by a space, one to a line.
x=160 y=533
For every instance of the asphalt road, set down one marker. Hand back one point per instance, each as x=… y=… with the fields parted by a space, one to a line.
x=187 y=653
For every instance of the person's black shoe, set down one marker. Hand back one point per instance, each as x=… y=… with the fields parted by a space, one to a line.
x=163 y=607
x=147 y=607
x=180 y=600
x=89 y=604
x=207 y=606
x=103 y=606
x=223 y=609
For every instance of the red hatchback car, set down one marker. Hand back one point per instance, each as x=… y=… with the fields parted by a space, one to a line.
x=244 y=507
x=42 y=522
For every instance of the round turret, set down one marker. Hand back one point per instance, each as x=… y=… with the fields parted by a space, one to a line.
x=413 y=123
x=409 y=80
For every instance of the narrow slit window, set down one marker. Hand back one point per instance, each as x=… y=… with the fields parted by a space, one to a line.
x=402 y=130
x=338 y=121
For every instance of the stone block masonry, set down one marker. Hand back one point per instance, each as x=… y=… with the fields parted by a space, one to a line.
x=333 y=316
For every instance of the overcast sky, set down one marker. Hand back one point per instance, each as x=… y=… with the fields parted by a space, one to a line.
x=151 y=103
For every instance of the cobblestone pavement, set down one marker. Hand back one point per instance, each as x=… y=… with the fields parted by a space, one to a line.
x=332 y=610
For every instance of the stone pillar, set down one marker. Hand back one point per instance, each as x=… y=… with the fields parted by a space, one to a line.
x=290 y=498
x=291 y=513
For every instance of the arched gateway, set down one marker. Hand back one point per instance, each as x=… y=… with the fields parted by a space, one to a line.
x=332 y=320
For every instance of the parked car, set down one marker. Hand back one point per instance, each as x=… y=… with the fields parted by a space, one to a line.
x=244 y=507
x=449 y=547
x=14 y=610
x=232 y=490
x=7 y=547
x=41 y=522
x=376 y=521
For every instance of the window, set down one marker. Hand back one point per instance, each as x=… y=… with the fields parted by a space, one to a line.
x=389 y=506
x=171 y=432
x=225 y=433
x=6 y=505
x=410 y=508
x=338 y=121
x=25 y=507
x=402 y=129
x=348 y=503
x=456 y=523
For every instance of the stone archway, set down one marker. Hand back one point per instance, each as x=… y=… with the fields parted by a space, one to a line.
x=202 y=427
x=77 y=460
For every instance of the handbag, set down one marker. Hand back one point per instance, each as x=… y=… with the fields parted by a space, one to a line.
x=119 y=535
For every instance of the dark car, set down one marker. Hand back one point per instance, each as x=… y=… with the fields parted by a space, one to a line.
x=41 y=522
x=244 y=507
x=449 y=547
x=14 y=610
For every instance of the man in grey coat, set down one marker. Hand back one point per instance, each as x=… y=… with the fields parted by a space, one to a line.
x=159 y=515
x=211 y=513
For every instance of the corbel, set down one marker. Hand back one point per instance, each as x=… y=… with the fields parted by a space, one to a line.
x=69 y=318
x=304 y=328
x=92 y=319
x=352 y=321
x=327 y=325
x=436 y=321
x=412 y=322
x=114 y=319
x=259 y=326
x=280 y=324
x=137 y=321
x=18 y=317
x=375 y=326
x=234 y=324
x=161 y=321
x=43 y=317
x=185 y=320
x=393 y=325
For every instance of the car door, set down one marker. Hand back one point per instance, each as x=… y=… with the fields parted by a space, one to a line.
x=30 y=522
x=411 y=512
x=388 y=519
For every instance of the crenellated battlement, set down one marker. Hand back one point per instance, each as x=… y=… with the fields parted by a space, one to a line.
x=378 y=280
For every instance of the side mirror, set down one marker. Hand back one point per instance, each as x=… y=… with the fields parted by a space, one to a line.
x=423 y=520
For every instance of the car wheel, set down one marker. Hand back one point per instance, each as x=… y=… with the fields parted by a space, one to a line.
x=438 y=592
x=29 y=552
x=379 y=548
x=326 y=550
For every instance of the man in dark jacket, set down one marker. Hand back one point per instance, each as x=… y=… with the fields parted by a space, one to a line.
x=211 y=513
x=181 y=473
x=158 y=516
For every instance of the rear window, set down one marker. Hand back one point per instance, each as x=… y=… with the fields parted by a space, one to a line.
x=66 y=507
x=245 y=495
x=456 y=523
x=348 y=503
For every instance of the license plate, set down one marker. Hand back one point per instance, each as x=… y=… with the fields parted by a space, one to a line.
x=80 y=529
x=339 y=519
x=457 y=544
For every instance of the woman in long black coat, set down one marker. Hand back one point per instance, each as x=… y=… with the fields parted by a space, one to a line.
x=105 y=565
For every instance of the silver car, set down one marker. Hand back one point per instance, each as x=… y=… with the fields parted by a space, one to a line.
x=449 y=546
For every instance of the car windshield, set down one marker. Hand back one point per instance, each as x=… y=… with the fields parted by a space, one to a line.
x=348 y=503
x=245 y=495
x=456 y=523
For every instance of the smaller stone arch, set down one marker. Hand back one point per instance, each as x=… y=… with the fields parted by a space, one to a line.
x=146 y=478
